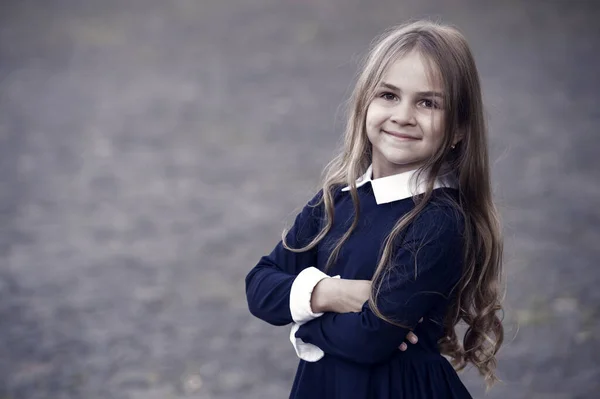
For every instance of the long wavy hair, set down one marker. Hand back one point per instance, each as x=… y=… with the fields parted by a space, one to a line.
x=478 y=293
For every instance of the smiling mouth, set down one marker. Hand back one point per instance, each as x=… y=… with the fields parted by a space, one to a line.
x=400 y=135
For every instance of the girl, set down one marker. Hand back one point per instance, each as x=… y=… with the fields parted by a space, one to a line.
x=405 y=217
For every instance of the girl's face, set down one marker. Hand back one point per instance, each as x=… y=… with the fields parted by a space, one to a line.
x=405 y=120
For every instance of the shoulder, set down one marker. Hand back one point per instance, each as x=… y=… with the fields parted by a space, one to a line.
x=441 y=219
x=444 y=206
x=315 y=206
x=317 y=201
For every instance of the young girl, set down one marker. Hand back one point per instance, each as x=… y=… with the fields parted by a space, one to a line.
x=405 y=217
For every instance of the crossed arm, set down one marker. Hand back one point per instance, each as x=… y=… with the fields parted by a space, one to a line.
x=269 y=283
x=426 y=268
x=346 y=296
x=405 y=297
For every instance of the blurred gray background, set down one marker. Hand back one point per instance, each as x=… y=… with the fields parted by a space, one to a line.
x=151 y=151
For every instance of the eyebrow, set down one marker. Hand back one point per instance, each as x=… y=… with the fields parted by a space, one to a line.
x=422 y=93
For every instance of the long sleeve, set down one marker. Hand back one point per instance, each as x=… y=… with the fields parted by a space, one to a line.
x=426 y=267
x=269 y=283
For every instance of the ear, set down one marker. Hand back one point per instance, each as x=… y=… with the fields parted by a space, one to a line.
x=457 y=138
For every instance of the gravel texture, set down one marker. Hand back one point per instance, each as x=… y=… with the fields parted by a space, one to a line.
x=151 y=151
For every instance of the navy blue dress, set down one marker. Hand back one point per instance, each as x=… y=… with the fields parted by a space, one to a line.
x=362 y=359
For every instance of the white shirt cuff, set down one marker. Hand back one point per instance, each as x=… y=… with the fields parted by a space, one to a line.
x=307 y=352
x=300 y=296
x=301 y=293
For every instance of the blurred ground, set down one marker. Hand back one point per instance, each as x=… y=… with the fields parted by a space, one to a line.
x=150 y=152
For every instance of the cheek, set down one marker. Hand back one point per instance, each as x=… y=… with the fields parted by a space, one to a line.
x=437 y=133
x=434 y=126
x=439 y=129
x=438 y=124
x=375 y=117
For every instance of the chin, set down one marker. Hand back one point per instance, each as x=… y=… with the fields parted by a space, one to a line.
x=400 y=161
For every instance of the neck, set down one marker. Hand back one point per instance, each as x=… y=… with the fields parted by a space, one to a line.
x=380 y=171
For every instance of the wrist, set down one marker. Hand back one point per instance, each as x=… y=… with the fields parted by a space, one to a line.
x=323 y=295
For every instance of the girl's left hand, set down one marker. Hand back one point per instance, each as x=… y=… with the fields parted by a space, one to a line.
x=411 y=337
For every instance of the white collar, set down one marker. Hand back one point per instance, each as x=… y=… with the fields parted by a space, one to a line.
x=397 y=187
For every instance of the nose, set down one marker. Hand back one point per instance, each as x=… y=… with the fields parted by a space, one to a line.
x=403 y=114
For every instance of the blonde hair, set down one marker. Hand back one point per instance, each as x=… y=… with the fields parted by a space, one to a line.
x=478 y=297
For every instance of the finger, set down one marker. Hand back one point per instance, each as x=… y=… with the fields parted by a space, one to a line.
x=412 y=338
x=421 y=321
x=403 y=346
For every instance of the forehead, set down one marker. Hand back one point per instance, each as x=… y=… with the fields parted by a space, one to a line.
x=413 y=72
